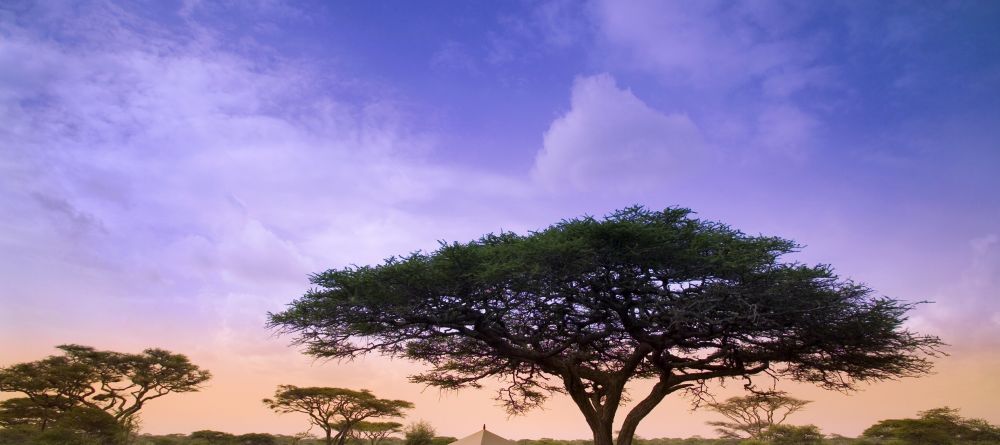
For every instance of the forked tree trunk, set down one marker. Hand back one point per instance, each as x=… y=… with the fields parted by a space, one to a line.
x=601 y=418
x=642 y=409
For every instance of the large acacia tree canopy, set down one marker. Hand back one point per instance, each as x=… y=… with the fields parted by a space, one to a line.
x=587 y=304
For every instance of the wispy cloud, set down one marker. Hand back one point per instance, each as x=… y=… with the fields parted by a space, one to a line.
x=200 y=173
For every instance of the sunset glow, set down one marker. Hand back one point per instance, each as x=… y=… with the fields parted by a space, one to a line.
x=173 y=171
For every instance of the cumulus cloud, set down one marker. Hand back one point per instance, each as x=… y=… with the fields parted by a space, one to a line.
x=611 y=139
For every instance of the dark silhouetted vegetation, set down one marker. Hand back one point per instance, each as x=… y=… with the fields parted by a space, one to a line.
x=375 y=432
x=749 y=416
x=337 y=410
x=587 y=305
x=939 y=426
x=419 y=433
x=77 y=395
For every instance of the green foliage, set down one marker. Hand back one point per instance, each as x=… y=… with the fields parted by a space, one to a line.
x=939 y=426
x=419 y=433
x=749 y=416
x=17 y=434
x=209 y=437
x=118 y=384
x=75 y=426
x=38 y=412
x=792 y=435
x=587 y=304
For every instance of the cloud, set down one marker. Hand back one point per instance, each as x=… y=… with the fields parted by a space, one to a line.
x=739 y=67
x=706 y=44
x=964 y=313
x=172 y=172
x=611 y=139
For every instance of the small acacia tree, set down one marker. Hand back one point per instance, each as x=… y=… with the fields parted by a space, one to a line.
x=375 y=432
x=337 y=410
x=587 y=305
x=749 y=416
x=117 y=383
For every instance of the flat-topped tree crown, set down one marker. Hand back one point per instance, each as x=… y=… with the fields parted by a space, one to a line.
x=586 y=305
x=338 y=410
x=118 y=383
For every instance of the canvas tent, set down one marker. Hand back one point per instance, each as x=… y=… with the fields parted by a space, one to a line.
x=483 y=437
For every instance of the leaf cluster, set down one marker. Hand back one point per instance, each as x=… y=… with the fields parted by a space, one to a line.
x=939 y=426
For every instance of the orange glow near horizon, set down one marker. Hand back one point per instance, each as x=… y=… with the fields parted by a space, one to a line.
x=231 y=401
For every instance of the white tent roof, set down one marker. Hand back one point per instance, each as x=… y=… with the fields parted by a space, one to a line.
x=483 y=437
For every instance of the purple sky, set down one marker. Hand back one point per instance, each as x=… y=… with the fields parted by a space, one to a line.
x=171 y=171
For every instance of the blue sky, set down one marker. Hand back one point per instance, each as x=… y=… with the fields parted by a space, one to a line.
x=176 y=169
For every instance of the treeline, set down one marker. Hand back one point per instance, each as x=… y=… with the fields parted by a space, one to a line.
x=221 y=438
x=91 y=397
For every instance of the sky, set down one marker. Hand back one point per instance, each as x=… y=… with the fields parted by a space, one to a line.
x=171 y=171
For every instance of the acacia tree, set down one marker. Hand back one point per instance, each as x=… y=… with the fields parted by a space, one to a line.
x=337 y=410
x=375 y=432
x=749 y=416
x=114 y=382
x=587 y=305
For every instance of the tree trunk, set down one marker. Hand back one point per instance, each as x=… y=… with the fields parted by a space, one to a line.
x=342 y=437
x=599 y=418
x=329 y=437
x=643 y=408
x=603 y=433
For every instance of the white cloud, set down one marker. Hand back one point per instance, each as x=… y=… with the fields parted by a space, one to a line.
x=611 y=139
x=154 y=173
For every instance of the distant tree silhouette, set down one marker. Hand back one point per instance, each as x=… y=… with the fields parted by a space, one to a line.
x=792 y=435
x=939 y=426
x=749 y=416
x=588 y=305
x=334 y=409
x=255 y=439
x=211 y=437
x=375 y=432
x=117 y=383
